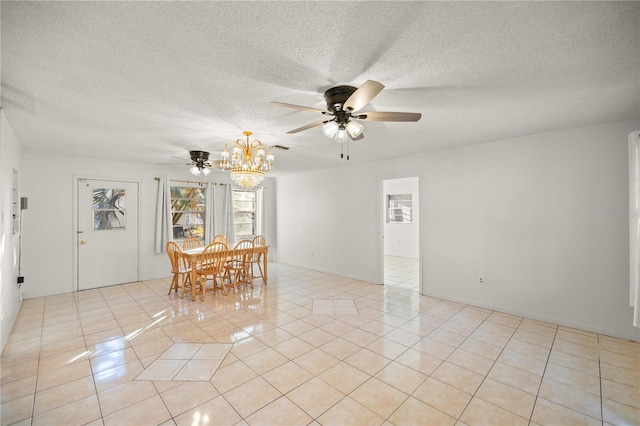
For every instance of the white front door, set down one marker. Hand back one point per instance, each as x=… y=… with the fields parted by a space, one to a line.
x=107 y=233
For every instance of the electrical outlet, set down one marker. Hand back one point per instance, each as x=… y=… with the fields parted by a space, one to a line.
x=480 y=280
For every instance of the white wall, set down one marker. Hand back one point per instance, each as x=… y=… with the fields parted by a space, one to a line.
x=49 y=238
x=9 y=243
x=402 y=239
x=527 y=214
x=327 y=221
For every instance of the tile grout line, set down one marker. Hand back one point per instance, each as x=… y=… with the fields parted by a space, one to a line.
x=492 y=365
x=93 y=375
x=429 y=375
x=546 y=364
x=600 y=382
x=134 y=351
x=329 y=384
x=458 y=347
x=35 y=390
x=597 y=335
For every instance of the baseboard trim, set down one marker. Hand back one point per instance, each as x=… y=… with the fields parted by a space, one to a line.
x=529 y=315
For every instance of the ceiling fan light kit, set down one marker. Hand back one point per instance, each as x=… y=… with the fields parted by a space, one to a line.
x=201 y=163
x=330 y=129
x=341 y=135
x=247 y=161
x=343 y=104
x=196 y=171
x=354 y=128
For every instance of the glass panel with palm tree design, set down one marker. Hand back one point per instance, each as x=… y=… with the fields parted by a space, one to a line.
x=108 y=209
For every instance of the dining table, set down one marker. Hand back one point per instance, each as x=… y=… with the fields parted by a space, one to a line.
x=191 y=256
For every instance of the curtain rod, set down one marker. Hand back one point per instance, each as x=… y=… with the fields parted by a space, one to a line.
x=192 y=181
x=203 y=183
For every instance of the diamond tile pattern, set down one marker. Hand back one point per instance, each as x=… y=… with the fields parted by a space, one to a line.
x=131 y=355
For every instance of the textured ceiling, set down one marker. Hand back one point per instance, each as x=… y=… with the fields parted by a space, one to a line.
x=146 y=81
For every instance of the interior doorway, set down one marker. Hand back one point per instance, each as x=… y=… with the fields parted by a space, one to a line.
x=401 y=233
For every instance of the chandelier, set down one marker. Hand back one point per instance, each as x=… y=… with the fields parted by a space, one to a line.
x=247 y=161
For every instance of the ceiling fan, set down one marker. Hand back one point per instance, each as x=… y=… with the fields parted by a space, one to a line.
x=343 y=106
x=200 y=163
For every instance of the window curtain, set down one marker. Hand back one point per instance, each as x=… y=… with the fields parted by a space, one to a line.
x=210 y=213
x=260 y=215
x=163 y=216
x=217 y=222
x=634 y=224
x=229 y=231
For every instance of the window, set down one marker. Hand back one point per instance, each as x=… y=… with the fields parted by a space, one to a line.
x=399 y=208
x=188 y=211
x=108 y=209
x=244 y=213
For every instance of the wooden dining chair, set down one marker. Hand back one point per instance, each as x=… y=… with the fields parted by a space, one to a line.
x=191 y=243
x=258 y=241
x=181 y=272
x=237 y=269
x=211 y=265
x=221 y=239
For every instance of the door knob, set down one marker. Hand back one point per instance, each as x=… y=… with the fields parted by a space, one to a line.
x=83 y=242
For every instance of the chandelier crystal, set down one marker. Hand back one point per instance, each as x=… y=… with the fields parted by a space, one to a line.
x=247 y=162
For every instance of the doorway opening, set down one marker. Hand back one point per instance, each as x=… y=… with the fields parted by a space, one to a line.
x=401 y=233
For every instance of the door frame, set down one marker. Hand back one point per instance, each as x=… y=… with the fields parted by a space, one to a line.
x=76 y=180
x=380 y=203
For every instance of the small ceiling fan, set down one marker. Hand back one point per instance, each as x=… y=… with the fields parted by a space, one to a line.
x=343 y=106
x=199 y=162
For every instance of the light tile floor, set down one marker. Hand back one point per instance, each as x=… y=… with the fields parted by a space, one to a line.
x=187 y=361
x=401 y=272
x=333 y=307
x=404 y=359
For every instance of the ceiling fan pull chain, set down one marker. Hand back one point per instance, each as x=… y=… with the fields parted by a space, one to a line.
x=347 y=150
x=341 y=150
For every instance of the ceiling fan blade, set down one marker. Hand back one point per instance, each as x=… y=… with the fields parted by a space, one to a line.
x=363 y=95
x=308 y=126
x=303 y=108
x=389 y=116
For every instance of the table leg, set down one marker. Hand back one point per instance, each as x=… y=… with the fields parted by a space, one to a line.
x=193 y=280
x=264 y=266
